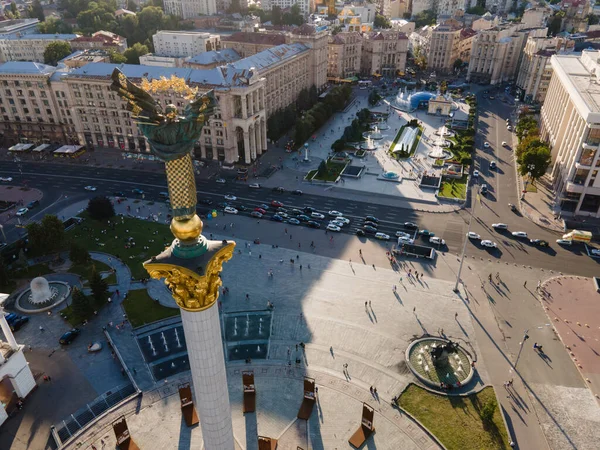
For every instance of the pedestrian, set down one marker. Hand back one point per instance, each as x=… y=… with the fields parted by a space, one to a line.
x=365 y=305
x=296 y=347
x=455 y=316
x=510 y=382
x=371 y=389
x=30 y=348
x=417 y=275
x=285 y=231
x=290 y=237
x=421 y=275
x=350 y=260
x=415 y=309
x=539 y=285
x=247 y=296
x=375 y=391
x=260 y=256
x=308 y=266
x=118 y=293
x=41 y=328
x=250 y=253
x=525 y=284
x=300 y=266
x=394 y=288
x=360 y=252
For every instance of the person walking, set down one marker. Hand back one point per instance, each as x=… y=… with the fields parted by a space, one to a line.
x=247 y=296
x=525 y=284
x=455 y=316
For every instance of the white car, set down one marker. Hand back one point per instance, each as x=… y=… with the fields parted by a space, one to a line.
x=405 y=240
x=595 y=252
x=437 y=240
x=473 y=235
x=486 y=144
x=500 y=226
x=382 y=236
x=509 y=128
x=317 y=215
x=254 y=186
x=476 y=174
x=403 y=234
x=230 y=197
x=220 y=180
x=519 y=234
x=504 y=144
x=90 y=188
x=564 y=241
x=345 y=220
x=230 y=210
x=335 y=213
x=337 y=223
x=22 y=211
x=5 y=178
x=332 y=227
x=489 y=244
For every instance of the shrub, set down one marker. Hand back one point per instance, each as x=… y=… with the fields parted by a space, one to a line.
x=100 y=208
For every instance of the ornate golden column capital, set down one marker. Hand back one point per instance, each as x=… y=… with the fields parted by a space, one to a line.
x=195 y=285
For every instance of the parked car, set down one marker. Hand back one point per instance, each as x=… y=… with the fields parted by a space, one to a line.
x=264 y=206
x=489 y=244
x=337 y=223
x=371 y=219
x=22 y=211
x=309 y=209
x=437 y=240
x=230 y=210
x=509 y=128
x=369 y=229
x=276 y=204
x=90 y=188
x=32 y=204
x=473 y=235
x=303 y=218
x=260 y=210
x=334 y=213
x=539 y=242
x=483 y=189
x=254 y=186
x=493 y=165
x=476 y=174
x=403 y=234
x=371 y=224
x=345 y=220
x=69 y=336
x=297 y=212
x=313 y=224
x=486 y=144
x=332 y=227
x=293 y=221
x=163 y=194
x=405 y=240
x=256 y=214
x=317 y=215
x=500 y=226
x=411 y=225
x=426 y=233
x=137 y=191
x=382 y=236
x=16 y=324
x=504 y=144
x=220 y=180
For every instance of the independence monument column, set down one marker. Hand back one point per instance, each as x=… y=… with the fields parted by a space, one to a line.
x=191 y=264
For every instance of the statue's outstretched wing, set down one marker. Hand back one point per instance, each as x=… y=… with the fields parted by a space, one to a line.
x=143 y=106
x=200 y=108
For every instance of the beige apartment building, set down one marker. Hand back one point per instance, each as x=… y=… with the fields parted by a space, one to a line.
x=443 y=47
x=570 y=123
x=344 y=55
x=29 y=47
x=496 y=53
x=535 y=70
x=384 y=53
x=180 y=44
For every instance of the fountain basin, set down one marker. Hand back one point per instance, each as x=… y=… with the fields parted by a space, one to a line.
x=456 y=370
x=58 y=292
x=390 y=175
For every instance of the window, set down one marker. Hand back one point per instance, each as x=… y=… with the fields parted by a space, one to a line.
x=48 y=111
x=26 y=110
x=45 y=102
x=37 y=111
x=7 y=92
x=119 y=130
x=43 y=94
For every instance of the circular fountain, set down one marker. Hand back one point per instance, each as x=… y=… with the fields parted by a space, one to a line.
x=42 y=295
x=436 y=360
x=368 y=144
x=440 y=143
x=390 y=175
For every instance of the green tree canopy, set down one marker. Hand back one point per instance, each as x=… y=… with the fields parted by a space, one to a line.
x=133 y=53
x=14 y=10
x=81 y=306
x=535 y=161
x=132 y=5
x=117 y=58
x=36 y=11
x=99 y=288
x=78 y=254
x=100 y=208
x=46 y=236
x=381 y=22
x=55 y=51
x=526 y=125
x=426 y=17
x=53 y=25
x=593 y=19
x=477 y=9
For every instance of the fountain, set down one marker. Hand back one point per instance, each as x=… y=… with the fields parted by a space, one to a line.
x=177 y=339
x=368 y=144
x=438 y=149
x=435 y=360
x=42 y=295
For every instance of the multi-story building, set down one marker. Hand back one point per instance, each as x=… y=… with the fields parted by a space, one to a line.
x=82 y=57
x=443 y=47
x=190 y=9
x=248 y=44
x=304 y=5
x=418 y=6
x=104 y=40
x=212 y=59
x=29 y=47
x=449 y=7
x=576 y=15
x=14 y=27
x=384 y=53
x=344 y=55
x=496 y=52
x=536 y=17
x=570 y=123
x=180 y=44
x=28 y=106
x=535 y=69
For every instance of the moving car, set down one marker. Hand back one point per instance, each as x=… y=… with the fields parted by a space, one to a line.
x=7 y=179
x=403 y=234
x=473 y=235
x=260 y=210
x=309 y=209
x=137 y=191
x=382 y=236
x=313 y=224
x=278 y=189
x=317 y=215
x=489 y=244
x=426 y=233
x=230 y=197
x=437 y=240
x=332 y=227
x=369 y=229
x=519 y=234
x=220 y=180
x=303 y=218
x=476 y=174
x=483 y=189
x=296 y=212
x=230 y=210
x=411 y=225
x=69 y=336
x=486 y=144
x=163 y=194
x=22 y=211
x=277 y=218
x=297 y=192
x=564 y=241
x=504 y=144
x=119 y=194
x=256 y=214
x=264 y=206
x=500 y=226
x=405 y=240
x=512 y=207
x=32 y=204
x=337 y=223
x=293 y=221
x=90 y=188
x=254 y=186
x=345 y=220
x=371 y=224
x=493 y=165
x=539 y=242
x=334 y=213
x=282 y=214
x=206 y=201
x=276 y=204
x=360 y=233
x=371 y=219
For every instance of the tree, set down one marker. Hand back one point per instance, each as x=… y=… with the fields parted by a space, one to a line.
x=78 y=254
x=5 y=277
x=132 y=5
x=457 y=64
x=487 y=411
x=132 y=54
x=443 y=87
x=593 y=19
x=381 y=21
x=477 y=10
x=54 y=26
x=100 y=208
x=426 y=17
x=116 y=57
x=36 y=11
x=82 y=309
x=323 y=170
x=534 y=162
x=276 y=16
x=99 y=288
x=55 y=51
x=526 y=125
x=14 y=11
x=235 y=7
x=374 y=97
x=420 y=59
x=555 y=23
x=47 y=235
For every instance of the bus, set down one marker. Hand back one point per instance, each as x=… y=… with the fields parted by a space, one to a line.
x=364 y=84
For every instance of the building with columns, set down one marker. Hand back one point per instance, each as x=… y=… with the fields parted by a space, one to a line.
x=344 y=54
x=16 y=379
x=384 y=52
x=570 y=123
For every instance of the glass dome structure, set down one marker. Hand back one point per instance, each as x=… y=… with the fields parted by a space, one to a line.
x=409 y=102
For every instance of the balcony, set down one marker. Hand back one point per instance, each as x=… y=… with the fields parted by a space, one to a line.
x=574 y=187
x=585 y=164
x=590 y=145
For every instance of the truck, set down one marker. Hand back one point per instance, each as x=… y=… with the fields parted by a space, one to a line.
x=578 y=236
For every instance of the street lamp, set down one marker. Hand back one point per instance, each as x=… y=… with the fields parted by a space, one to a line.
x=525 y=337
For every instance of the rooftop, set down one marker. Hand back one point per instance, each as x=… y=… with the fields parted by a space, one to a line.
x=256 y=38
x=224 y=56
x=42 y=37
x=26 y=67
x=271 y=56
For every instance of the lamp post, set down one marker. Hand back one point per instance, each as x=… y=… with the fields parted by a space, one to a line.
x=525 y=337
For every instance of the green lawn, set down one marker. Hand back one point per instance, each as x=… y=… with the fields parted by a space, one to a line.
x=85 y=271
x=456 y=421
x=89 y=235
x=141 y=309
x=454 y=188
x=33 y=271
x=334 y=170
